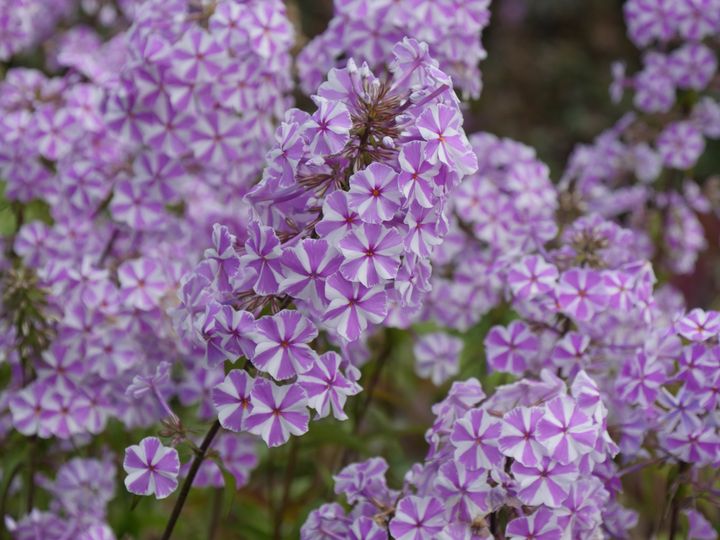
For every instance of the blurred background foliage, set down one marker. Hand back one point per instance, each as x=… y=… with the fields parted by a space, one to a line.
x=546 y=84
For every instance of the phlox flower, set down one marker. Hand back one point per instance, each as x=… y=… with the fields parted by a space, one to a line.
x=328 y=129
x=142 y=283
x=566 y=432
x=281 y=344
x=519 y=435
x=277 y=412
x=363 y=480
x=699 y=528
x=437 y=356
x=680 y=144
x=417 y=518
x=263 y=255
x=699 y=325
x=417 y=175
x=374 y=193
x=327 y=388
x=581 y=293
x=540 y=525
x=306 y=267
x=464 y=491
x=366 y=528
x=532 y=276
x=640 y=379
x=546 y=483
x=338 y=219
x=510 y=348
x=152 y=469
x=475 y=440
x=441 y=127
x=231 y=399
x=371 y=254
x=699 y=445
x=352 y=306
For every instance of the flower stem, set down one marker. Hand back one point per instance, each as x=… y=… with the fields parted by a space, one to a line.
x=675 y=500
x=216 y=512
x=287 y=482
x=185 y=489
x=362 y=409
x=30 y=503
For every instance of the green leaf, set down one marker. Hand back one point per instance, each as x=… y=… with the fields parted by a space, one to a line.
x=230 y=489
x=10 y=466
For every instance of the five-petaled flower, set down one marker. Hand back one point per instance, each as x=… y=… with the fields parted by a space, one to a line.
x=152 y=469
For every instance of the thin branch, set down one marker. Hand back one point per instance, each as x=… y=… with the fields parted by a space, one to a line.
x=185 y=490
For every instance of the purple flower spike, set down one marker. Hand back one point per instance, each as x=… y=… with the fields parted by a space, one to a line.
x=281 y=344
x=417 y=518
x=371 y=253
x=540 y=525
x=151 y=468
x=699 y=325
x=566 y=432
x=277 y=412
x=509 y=349
x=326 y=386
x=352 y=306
x=232 y=399
x=546 y=483
x=374 y=193
x=475 y=439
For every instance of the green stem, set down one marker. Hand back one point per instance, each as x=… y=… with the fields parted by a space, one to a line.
x=675 y=500
x=287 y=482
x=8 y=486
x=216 y=511
x=185 y=490
x=31 y=475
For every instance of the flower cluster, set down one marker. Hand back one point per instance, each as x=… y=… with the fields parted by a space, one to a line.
x=596 y=351
x=80 y=493
x=368 y=30
x=24 y=23
x=146 y=141
x=349 y=210
x=643 y=170
x=533 y=444
x=149 y=127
